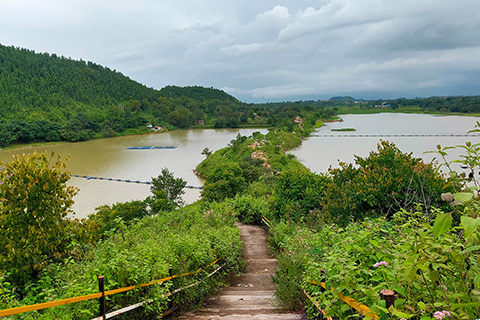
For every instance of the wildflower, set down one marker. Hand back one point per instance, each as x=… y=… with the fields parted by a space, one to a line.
x=381 y=263
x=441 y=314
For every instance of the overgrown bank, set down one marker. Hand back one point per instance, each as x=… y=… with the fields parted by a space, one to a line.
x=386 y=222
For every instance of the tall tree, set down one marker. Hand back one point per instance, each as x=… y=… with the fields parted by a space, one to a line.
x=34 y=202
x=167 y=183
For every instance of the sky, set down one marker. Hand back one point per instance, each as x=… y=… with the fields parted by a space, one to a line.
x=268 y=50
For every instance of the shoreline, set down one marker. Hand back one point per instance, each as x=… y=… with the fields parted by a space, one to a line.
x=14 y=147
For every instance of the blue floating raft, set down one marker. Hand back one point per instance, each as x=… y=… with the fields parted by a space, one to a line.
x=152 y=147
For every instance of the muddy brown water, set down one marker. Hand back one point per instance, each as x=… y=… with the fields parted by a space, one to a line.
x=110 y=158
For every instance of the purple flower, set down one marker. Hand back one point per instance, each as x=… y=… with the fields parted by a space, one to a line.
x=381 y=263
x=441 y=314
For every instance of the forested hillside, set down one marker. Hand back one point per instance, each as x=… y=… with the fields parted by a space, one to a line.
x=44 y=97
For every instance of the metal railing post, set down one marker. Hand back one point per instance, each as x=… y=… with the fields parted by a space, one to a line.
x=388 y=296
x=101 y=288
x=170 y=304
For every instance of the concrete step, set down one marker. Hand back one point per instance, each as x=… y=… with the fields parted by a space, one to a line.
x=251 y=296
x=269 y=316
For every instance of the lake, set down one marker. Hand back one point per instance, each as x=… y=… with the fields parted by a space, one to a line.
x=109 y=158
x=320 y=153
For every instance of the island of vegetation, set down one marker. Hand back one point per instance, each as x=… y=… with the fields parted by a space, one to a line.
x=387 y=224
x=344 y=129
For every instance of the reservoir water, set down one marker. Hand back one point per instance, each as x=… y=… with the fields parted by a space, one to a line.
x=321 y=153
x=110 y=158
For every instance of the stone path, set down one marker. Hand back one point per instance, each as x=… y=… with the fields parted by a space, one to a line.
x=251 y=296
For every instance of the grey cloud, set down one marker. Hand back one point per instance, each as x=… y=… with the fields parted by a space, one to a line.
x=272 y=49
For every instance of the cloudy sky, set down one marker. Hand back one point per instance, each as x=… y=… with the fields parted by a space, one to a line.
x=265 y=50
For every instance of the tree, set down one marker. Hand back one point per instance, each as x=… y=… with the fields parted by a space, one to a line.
x=34 y=202
x=206 y=152
x=173 y=187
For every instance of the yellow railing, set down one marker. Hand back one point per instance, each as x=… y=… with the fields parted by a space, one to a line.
x=40 y=306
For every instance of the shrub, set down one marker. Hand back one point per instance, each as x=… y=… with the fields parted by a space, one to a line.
x=381 y=184
x=224 y=182
x=34 y=202
x=110 y=218
x=298 y=192
x=249 y=209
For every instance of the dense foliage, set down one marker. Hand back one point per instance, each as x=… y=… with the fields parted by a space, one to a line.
x=461 y=104
x=427 y=258
x=428 y=273
x=34 y=201
x=298 y=193
x=451 y=104
x=381 y=184
x=187 y=240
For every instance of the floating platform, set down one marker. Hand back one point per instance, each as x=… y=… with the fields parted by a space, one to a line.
x=152 y=148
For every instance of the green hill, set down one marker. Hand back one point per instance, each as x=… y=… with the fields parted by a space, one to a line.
x=44 y=97
x=196 y=93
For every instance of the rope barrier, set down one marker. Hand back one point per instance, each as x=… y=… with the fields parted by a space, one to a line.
x=40 y=306
x=389 y=135
x=267 y=222
x=122 y=180
x=137 y=305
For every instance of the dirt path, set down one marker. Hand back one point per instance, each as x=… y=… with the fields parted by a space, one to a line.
x=251 y=296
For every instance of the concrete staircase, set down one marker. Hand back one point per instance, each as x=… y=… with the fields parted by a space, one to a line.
x=251 y=295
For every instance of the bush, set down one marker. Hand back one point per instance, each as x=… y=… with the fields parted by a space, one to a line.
x=249 y=209
x=224 y=182
x=111 y=218
x=381 y=184
x=34 y=202
x=298 y=193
